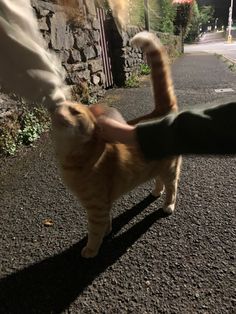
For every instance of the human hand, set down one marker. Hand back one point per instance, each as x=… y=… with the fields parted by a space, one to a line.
x=114 y=131
x=111 y=126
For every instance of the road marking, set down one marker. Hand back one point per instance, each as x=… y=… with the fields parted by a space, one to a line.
x=224 y=90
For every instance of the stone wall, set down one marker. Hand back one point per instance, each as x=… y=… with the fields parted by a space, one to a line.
x=126 y=60
x=173 y=44
x=76 y=41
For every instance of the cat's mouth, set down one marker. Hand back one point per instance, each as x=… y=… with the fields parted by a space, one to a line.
x=65 y=129
x=73 y=122
x=60 y=121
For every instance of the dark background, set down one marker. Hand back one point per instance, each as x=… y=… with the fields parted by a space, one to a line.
x=221 y=9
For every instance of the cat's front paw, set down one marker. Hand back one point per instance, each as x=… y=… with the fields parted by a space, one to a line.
x=169 y=209
x=88 y=253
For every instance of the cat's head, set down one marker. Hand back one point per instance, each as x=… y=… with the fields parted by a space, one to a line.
x=73 y=121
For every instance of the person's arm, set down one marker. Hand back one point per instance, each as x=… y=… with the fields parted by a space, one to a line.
x=207 y=131
x=204 y=131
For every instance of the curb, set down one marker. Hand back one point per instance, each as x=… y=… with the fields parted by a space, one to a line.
x=229 y=59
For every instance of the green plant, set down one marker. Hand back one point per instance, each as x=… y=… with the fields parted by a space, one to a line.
x=168 y=13
x=200 y=18
x=7 y=143
x=183 y=17
x=92 y=100
x=132 y=81
x=154 y=14
x=136 y=12
x=206 y=16
x=23 y=130
x=232 y=67
x=33 y=123
x=145 y=69
x=230 y=64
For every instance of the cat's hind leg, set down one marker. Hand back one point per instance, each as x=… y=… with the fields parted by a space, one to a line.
x=171 y=183
x=159 y=187
x=99 y=225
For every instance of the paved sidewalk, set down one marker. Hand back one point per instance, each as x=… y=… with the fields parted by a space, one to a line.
x=214 y=43
x=182 y=264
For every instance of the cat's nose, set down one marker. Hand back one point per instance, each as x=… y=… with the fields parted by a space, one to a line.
x=59 y=116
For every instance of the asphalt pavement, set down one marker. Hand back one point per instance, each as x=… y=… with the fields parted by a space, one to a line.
x=184 y=263
x=215 y=43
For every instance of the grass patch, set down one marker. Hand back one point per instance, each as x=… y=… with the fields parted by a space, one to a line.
x=230 y=64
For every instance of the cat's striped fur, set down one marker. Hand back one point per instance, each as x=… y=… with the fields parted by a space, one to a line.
x=98 y=172
x=163 y=89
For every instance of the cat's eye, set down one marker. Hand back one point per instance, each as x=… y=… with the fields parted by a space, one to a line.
x=73 y=111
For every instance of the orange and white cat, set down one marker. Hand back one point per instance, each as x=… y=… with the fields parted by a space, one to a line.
x=98 y=172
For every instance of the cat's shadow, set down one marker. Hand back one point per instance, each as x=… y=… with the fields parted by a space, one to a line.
x=51 y=285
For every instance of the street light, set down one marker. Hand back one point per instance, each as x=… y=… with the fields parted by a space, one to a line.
x=230 y=22
x=216 y=20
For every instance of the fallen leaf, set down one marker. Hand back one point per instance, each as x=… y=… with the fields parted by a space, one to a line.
x=48 y=222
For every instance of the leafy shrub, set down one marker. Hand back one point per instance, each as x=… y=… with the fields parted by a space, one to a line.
x=32 y=125
x=23 y=130
x=8 y=143
x=132 y=81
x=168 y=14
x=145 y=69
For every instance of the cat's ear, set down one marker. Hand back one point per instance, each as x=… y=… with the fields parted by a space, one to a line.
x=97 y=110
x=110 y=112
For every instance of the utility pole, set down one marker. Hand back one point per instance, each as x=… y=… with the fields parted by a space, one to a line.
x=230 y=22
x=146 y=15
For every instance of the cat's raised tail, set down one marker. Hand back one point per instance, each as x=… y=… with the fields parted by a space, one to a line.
x=163 y=89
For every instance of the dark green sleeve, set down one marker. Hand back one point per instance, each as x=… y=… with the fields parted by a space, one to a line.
x=203 y=131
